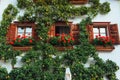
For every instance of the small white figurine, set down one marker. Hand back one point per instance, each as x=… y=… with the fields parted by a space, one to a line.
x=68 y=74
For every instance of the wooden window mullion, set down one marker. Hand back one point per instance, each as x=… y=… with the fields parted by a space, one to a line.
x=99 y=31
x=24 y=30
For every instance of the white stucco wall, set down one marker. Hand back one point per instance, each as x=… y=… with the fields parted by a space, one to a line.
x=112 y=17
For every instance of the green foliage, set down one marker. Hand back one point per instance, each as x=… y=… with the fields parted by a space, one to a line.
x=24 y=4
x=4 y=74
x=102 y=41
x=13 y=62
x=28 y=72
x=23 y=41
x=7 y=52
x=44 y=62
x=112 y=77
x=31 y=56
x=8 y=15
x=105 y=8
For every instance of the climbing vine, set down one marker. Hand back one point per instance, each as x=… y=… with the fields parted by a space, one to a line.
x=8 y=15
x=6 y=52
x=44 y=62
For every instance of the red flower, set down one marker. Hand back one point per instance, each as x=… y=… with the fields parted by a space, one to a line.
x=30 y=41
x=24 y=36
x=18 y=36
x=99 y=34
x=63 y=35
x=11 y=43
x=14 y=39
x=96 y=36
x=73 y=39
x=113 y=40
x=19 y=40
x=57 y=34
x=71 y=35
x=69 y=40
x=64 y=41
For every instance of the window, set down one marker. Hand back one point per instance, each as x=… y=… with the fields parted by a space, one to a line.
x=66 y=28
x=100 y=28
x=99 y=31
x=21 y=28
x=25 y=30
x=104 y=29
x=62 y=29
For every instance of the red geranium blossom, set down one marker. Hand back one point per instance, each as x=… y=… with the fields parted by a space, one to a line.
x=30 y=40
x=62 y=40
x=102 y=40
x=11 y=43
x=22 y=41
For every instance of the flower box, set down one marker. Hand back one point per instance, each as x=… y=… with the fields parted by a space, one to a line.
x=63 y=48
x=104 y=48
x=22 y=48
x=78 y=1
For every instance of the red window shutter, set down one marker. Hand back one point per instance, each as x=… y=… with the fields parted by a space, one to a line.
x=90 y=32
x=11 y=33
x=51 y=32
x=75 y=32
x=114 y=34
x=34 y=33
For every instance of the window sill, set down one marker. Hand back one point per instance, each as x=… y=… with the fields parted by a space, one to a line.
x=102 y=48
x=63 y=48
x=22 y=48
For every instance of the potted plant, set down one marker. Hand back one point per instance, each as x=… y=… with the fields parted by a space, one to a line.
x=62 y=41
x=23 y=43
x=103 y=43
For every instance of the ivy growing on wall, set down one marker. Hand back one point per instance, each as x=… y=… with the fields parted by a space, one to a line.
x=44 y=62
x=8 y=15
x=6 y=52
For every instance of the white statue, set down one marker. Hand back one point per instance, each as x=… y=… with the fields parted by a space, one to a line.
x=68 y=74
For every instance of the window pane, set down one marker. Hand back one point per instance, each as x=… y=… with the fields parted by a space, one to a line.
x=28 y=31
x=102 y=31
x=62 y=29
x=21 y=31
x=96 y=32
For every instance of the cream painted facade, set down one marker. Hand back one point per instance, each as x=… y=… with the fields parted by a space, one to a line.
x=113 y=16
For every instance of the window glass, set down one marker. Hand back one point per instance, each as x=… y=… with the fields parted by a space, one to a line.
x=62 y=29
x=99 y=30
x=102 y=31
x=27 y=31
x=20 y=31
x=95 y=31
